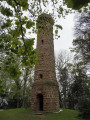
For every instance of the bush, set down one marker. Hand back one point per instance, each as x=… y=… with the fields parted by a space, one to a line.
x=84 y=106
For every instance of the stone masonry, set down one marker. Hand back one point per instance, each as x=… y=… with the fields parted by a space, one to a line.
x=45 y=93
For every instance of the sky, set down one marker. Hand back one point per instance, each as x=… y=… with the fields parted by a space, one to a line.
x=66 y=35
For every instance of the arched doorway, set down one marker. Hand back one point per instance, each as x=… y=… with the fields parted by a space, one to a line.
x=40 y=102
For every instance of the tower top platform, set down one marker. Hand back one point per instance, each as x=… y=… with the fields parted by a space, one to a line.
x=44 y=18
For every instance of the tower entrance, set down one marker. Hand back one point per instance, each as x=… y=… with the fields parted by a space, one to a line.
x=40 y=102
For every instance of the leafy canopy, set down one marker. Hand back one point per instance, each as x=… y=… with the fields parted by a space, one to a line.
x=77 y=4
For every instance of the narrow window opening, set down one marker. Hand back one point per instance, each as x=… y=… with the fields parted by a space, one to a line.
x=42 y=41
x=41 y=76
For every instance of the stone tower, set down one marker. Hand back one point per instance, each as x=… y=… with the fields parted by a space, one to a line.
x=45 y=93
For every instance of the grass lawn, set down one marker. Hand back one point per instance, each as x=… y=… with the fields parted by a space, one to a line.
x=27 y=114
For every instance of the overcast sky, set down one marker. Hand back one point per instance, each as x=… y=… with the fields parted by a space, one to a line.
x=66 y=35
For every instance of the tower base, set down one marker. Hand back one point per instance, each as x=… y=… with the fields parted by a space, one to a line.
x=45 y=97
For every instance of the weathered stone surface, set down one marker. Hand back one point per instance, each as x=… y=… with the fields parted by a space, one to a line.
x=45 y=93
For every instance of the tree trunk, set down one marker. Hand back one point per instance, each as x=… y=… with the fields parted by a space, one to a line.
x=24 y=86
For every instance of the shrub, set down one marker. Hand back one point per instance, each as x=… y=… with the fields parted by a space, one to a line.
x=84 y=106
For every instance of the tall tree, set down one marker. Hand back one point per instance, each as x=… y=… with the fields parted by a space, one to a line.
x=63 y=75
x=79 y=93
x=78 y=87
x=82 y=42
x=15 y=47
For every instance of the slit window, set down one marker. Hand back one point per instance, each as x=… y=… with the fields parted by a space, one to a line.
x=42 y=41
x=41 y=76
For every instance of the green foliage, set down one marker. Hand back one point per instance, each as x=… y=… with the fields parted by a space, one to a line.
x=11 y=66
x=17 y=22
x=7 y=24
x=59 y=26
x=5 y=42
x=1 y=88
x=82 y=42
x=29 y=61
x=15 y=33
x=6 y=11
x=61 y=10
x=79 y=94
x=14 y=71
x=29 y=24
x=29 y=42
x=79 y=87
x=84 y=106
x=76 y=4
x=56 y=32
x=28 y=53
x=23 y=4
x=84 y=51
x=14 y=41
x=43 y=20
